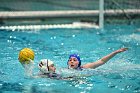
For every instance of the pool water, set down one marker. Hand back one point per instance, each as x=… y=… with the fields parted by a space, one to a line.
x=120 y=75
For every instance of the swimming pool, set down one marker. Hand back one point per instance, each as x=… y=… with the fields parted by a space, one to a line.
x=120 y=75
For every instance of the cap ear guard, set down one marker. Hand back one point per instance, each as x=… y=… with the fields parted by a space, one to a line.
x=43 y=69
x=79 y=63
x=44 y=65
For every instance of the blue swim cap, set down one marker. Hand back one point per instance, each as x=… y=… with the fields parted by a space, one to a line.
x=76 y=56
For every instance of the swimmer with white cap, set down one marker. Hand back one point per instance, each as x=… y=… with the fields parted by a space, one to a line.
x=47 y=68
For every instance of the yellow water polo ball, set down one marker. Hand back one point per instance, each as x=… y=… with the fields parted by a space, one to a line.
x=26 y=55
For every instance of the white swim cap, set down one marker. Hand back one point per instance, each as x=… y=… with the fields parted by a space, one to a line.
x=44 y=65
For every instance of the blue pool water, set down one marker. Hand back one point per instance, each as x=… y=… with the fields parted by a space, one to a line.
x=120 y=75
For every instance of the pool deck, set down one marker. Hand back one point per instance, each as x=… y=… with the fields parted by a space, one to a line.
x=50 y=26
x=53 y=19
x=61 y=14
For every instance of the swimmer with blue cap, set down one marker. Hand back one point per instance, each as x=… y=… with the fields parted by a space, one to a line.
x=74 y=61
